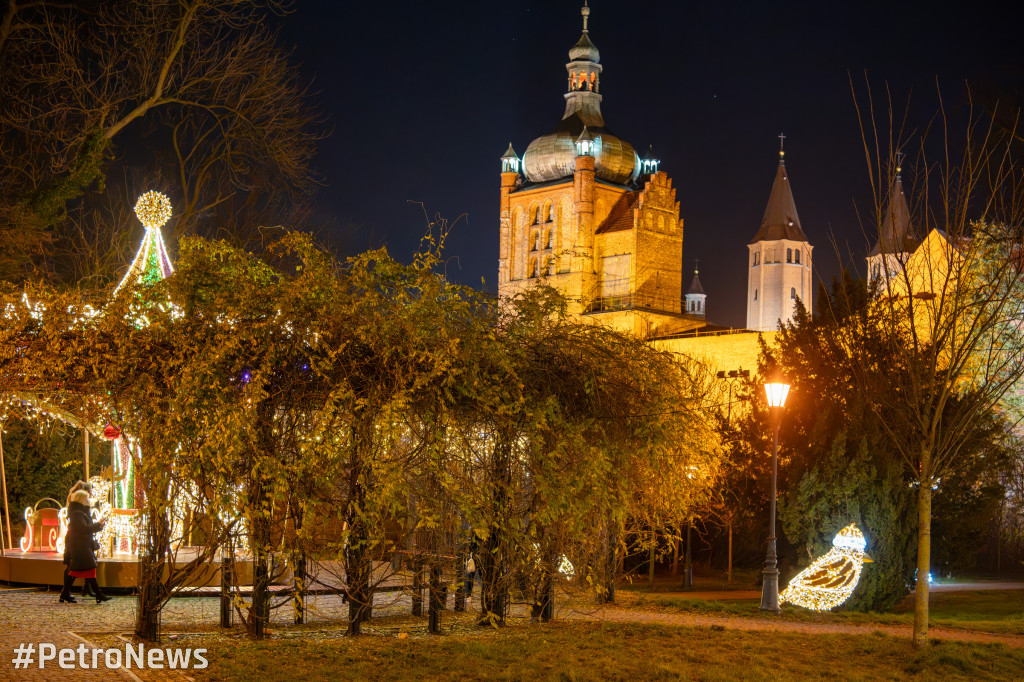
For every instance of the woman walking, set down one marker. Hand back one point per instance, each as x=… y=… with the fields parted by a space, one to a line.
x=79 y=552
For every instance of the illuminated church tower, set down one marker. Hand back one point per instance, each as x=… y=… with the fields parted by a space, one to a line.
x=779 y=260
x=895 y=236
x=583 y=213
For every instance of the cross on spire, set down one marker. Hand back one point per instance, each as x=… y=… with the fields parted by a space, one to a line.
x=585 y=11
x=782 y=142
x=696 y=266
x=899 y=162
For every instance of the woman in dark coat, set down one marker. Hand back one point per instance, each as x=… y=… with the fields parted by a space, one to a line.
x=78 y=547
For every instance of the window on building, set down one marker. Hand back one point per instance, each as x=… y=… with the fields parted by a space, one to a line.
x=535 y=240
x=789 y=255
x=551 y=239
x=792 y=293
x=755 y=294
x=757 y=258
x=551 y=214
x=796 y=256
x=534 y=268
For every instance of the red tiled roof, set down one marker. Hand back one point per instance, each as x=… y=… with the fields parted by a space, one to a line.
x=621 y=215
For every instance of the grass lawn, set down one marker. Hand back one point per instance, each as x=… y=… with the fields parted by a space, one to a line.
x=1000 y=611
x=592 y=651
x=742 y=579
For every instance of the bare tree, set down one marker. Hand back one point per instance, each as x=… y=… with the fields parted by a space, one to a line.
x=948 y=313
x=197 y=92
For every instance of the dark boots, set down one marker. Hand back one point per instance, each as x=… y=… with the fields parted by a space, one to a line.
x=65 y=595
x=91 y=584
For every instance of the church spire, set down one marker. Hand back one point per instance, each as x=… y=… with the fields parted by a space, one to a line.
x=696 y=299
x=780 y=219
x=895 y=233
x=584 y=69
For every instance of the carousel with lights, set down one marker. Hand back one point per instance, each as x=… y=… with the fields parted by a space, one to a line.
x=37 y=557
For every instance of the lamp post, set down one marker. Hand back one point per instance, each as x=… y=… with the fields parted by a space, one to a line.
x=776 y=392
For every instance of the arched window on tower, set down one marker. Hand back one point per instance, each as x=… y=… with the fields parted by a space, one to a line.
x=757 y=258
x=789 y=255
x=536 y=240
x=792 y=293
x=551 y=213
x=796 y=256
x=593 y=81
x=551 y=239
x=534 y=271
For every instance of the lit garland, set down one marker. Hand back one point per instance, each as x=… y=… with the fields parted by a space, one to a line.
x=830 y=580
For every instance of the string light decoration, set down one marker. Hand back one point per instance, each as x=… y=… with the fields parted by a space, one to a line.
x=830 y=580
x=151 y=263
x=153 y=209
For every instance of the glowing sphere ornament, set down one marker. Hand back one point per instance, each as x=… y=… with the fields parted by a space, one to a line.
x=153 y=209
x=830 y=580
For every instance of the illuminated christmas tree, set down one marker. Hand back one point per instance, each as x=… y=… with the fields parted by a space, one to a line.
x=151 y=263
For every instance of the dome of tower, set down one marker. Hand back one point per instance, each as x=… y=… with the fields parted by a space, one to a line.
x=584 y=50
x=553 y=156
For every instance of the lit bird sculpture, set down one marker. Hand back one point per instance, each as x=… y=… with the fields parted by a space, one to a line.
x=830 y=580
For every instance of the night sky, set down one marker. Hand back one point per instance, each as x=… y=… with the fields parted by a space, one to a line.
x=423 y=97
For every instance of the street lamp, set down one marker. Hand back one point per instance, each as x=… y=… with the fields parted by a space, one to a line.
x=776 y=392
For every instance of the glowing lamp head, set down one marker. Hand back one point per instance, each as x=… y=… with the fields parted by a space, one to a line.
x=585 y=144
x=776 y=392
x=153 y=209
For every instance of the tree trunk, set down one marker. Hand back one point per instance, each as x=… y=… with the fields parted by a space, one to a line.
x=357 y=554
x=688 y=568
x=460 y=583
x=151 y=570
x=675 y=554
x=226 y=583
x=729 y=571
x=608 y=561
x=650 y=559
x=924 y=553
x=260 y=612
x=493 y=562
x=417 y=587
x=435 y=605
x=299 y=581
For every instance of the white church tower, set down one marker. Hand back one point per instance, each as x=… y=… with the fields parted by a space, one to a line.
x=779 y=262
x=695 y=297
